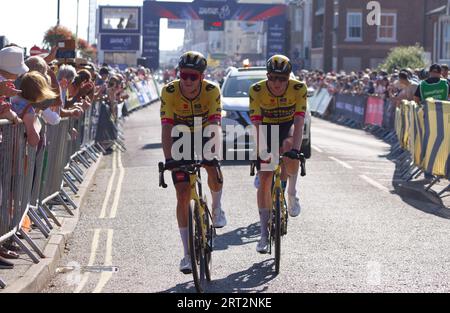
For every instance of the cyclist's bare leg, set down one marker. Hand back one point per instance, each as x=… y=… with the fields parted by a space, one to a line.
x=264 y=196
x=213 y=182
x=183 y=191
x=183 y=198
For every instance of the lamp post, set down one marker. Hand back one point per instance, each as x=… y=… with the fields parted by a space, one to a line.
x=57 y=19
x=78 y=10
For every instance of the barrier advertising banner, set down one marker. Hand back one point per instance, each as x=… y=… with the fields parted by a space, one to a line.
x=374 y=111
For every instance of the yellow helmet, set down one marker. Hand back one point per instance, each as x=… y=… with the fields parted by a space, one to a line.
x=279 y=64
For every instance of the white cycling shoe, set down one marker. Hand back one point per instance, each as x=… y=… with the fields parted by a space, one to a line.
x=185 y=265
x=219 y=219
x=263 y=245
x=294 y=207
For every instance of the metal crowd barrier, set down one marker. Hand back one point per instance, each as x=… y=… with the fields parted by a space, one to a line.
x=34 y=180
x=420 y=134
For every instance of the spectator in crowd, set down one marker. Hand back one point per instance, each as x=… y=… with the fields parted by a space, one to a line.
x=11 y=66
x=35 y=91
x=407 y=86
x=444 y=68
x=433 y=87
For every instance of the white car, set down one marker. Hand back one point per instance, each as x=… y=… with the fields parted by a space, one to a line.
x=235 y=102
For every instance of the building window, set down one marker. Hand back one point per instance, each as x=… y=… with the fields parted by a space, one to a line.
x=445 y=53
x=354 y=26
x=298 y=20
x=387 y=31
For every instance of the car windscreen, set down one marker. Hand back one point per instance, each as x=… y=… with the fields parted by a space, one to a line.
x=238 y=86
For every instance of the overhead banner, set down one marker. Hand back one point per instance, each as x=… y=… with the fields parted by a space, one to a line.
x=120 y=42
x=212 y=10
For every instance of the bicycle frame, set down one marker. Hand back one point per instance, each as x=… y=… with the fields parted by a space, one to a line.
x=276 y=186
x=197 y=197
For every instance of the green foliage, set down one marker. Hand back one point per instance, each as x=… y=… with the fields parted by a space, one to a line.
x=403 y=57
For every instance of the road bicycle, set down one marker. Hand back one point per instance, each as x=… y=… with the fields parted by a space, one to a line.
x=278 y=222
x=200 y=229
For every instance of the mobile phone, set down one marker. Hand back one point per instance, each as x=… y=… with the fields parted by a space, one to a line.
x=66 y=49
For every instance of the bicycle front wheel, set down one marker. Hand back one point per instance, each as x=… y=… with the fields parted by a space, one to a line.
x=198 y=260
x=209 y=244
x=277 y=231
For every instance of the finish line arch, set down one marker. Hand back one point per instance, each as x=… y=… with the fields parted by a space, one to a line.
x=212 y=10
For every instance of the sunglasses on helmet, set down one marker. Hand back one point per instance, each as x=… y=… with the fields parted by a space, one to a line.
x=191 y=76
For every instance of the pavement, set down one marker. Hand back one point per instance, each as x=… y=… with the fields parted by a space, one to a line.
x=358 y=231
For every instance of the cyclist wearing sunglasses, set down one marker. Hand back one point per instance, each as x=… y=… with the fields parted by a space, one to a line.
x=181 y=101
x=278 y=100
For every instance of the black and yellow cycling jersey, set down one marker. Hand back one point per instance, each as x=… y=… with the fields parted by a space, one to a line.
x=178 y=110
x=269 y=109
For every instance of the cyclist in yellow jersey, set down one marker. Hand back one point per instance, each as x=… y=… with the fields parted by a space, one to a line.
x=278 y=100
x=181 y=101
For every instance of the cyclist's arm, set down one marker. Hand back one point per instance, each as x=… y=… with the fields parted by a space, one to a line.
x=167 y=121
x=215 y=120
x=299 y=117
x=257 y=118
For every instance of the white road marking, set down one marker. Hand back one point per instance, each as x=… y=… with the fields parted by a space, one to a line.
x=346 y=165
x=317 y=148
x=109 y=188
x=94 y=247
x=118 y=188
x=374 y=183
x=106 y=276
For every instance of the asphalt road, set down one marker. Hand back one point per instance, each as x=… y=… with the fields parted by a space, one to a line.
x=354 y=234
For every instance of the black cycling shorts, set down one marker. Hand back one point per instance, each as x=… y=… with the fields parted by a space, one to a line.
x=285 y=131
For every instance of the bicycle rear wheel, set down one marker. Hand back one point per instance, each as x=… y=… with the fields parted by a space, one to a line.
x=277 y=231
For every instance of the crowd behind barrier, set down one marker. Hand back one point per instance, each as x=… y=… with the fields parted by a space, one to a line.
x=32 y=178
x=420 y=134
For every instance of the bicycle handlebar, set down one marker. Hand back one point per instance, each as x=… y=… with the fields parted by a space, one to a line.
x=300 y=157
x=185 y=166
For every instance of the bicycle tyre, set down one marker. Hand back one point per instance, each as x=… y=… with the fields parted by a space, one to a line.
x=277 y=232
x=209 y=247
x=193 y=249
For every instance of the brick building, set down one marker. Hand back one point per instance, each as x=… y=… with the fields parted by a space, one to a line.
x=342 y=39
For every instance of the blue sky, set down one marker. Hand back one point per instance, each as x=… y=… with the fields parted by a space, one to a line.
x=24 y=22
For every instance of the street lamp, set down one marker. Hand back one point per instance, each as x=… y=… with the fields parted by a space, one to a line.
x=57 y=19
x=78 y=9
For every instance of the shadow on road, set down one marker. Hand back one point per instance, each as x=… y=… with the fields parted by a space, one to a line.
x=152 y=146
x=238 y=237
x=252 y=280
x=413 y=192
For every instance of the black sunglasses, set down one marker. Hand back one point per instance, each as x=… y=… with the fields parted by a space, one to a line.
x=282 y=79
x=186 y=76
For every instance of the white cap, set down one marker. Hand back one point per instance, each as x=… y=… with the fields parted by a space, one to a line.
x=11 y=61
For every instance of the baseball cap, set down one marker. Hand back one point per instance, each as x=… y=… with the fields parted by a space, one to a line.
x=11 y=61
x=435 y=67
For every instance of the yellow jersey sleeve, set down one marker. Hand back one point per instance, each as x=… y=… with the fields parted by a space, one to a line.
x=167 y=113
x=255 y=108
x=301 y=99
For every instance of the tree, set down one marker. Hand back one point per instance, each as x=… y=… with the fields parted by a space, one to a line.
x=403 y=57
x=56 y=34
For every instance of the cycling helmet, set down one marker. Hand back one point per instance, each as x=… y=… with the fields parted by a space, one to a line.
x=279 y=64
x=193 y=60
